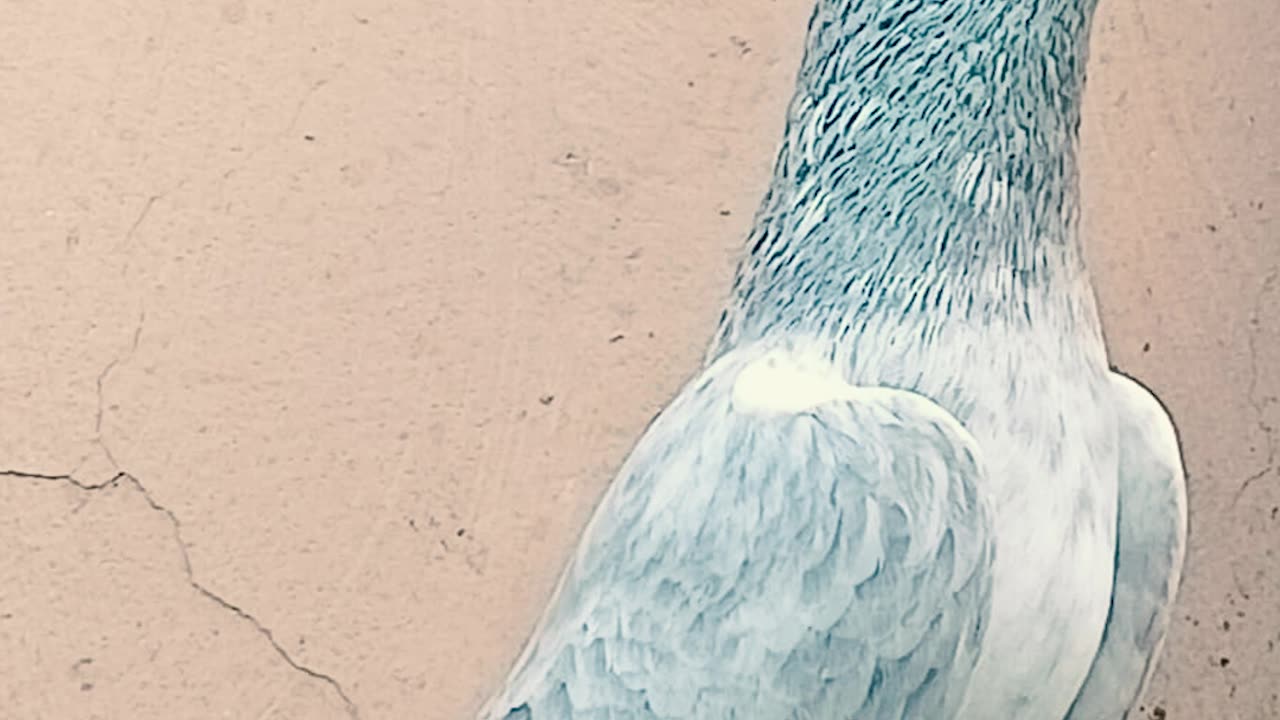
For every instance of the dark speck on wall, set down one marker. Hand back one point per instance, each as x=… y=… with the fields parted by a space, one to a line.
x=546 y=399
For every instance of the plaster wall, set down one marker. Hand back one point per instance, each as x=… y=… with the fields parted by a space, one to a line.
x=325 y=324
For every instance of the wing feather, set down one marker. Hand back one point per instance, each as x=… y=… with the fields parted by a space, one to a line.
x=827 y=556
x=1151 y=544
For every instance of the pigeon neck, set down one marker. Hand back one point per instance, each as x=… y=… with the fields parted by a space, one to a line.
x=928 y=172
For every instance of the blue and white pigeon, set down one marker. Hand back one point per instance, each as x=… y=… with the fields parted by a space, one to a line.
x=906 y=483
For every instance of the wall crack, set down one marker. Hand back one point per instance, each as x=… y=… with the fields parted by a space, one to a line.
x=1258 y=403
x=101 y=382
x=123 y=478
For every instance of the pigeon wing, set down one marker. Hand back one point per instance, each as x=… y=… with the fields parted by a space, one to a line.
x=1151 y=544
x=778 y=545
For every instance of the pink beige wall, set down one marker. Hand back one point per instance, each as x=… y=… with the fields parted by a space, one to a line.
x=369 y=299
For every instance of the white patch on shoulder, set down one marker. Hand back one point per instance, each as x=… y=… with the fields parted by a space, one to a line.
x=774 y=384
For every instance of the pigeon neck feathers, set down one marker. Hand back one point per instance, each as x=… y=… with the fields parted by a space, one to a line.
x=928 y=171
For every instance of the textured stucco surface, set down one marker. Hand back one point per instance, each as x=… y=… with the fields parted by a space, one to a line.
x=325 y=324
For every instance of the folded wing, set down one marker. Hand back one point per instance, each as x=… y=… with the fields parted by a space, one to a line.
x=778 y=545
x=1151 y=543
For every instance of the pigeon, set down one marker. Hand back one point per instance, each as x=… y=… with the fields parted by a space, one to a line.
x=906 y=482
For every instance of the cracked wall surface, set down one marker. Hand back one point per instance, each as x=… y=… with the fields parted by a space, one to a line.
x=103 y=618
x=326 y=325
